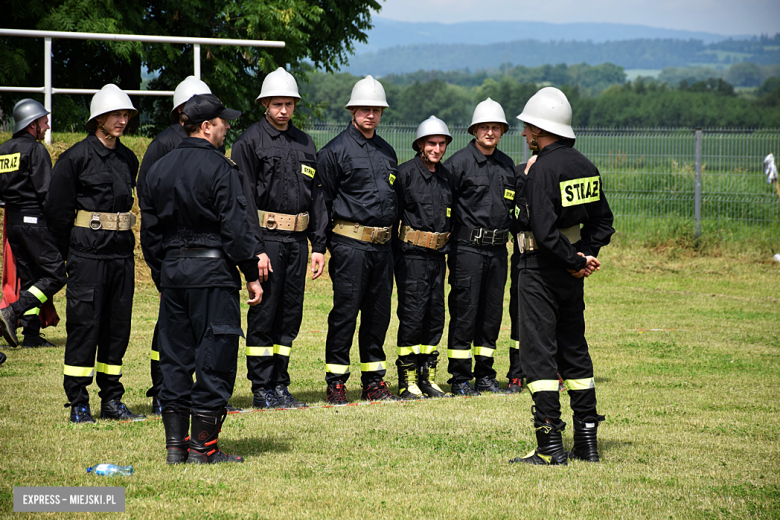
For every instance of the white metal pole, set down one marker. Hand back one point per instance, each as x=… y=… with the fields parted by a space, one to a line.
x=47 y=85
x=196 y=52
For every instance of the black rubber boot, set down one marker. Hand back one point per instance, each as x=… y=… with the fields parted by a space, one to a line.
x=286 y=400
x=426 y=376
x=116 y=409
x=80 y=413
x=156 y=408
x=177 y=438
x=464 y=389
x=586 y=444
x=488 y=384
x=35 y=341
x=407 y=381
x=8 y=322
x=206 y=425
x=550 y=447
x=264 y=398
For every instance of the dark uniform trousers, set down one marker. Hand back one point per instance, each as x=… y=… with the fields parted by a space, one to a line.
x=362 y=283
x=420 y=282
x=273 y=325
x=552 y=341
x=476 y=304
x=198 y=334
x=515 y=368
x=99 y=311
x=39 y=266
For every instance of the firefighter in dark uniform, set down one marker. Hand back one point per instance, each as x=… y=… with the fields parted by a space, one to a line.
x=483 y=184
x=515 y=374
x=279 y=164
x=88 y=213
x=420 y=243
x=166 y=141
x=564 y=220
x=194 y=232
x=25 y=174
x=357 y=170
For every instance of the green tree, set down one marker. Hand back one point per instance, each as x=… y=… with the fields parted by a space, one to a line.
x=322 y=31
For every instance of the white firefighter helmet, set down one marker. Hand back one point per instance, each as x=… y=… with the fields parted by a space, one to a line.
x=488 y=111
x=108 y=99
x=26 y=111
x=431 y=126
x=279 y=83
x=368 y=92
x=191 y=86
x=549 y=110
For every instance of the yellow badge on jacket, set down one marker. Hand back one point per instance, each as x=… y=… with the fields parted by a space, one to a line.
x=580 y=191
x=308 y=171
x=449 y=212
x=509 y=194
x=392 y=179
x=10 y=162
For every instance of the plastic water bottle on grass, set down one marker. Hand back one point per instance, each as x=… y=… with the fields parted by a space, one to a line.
x=111 y=470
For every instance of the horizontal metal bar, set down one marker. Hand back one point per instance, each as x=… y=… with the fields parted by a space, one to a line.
x=138 y=38
x=86 y=91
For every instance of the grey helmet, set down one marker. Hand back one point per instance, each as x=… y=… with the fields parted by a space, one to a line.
x=431 y=126
x=26 y=111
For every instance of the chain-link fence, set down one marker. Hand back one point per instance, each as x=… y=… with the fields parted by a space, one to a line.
x=650 y=174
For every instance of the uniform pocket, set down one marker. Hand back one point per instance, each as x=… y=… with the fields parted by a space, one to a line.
x=224 y=351
x=80 y=304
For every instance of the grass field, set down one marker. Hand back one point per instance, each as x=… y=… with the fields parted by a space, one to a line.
x=687 y=357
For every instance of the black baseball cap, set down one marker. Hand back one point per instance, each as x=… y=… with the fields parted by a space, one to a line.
x=205 y=107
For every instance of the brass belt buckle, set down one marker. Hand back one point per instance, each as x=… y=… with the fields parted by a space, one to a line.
x=521 y=242
x=270 y=222
x=95 y=223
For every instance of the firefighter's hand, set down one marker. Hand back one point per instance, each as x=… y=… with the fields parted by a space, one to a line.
x=531 y=161
x=255 y=292
x=317 y=265
x=591 y=265
x=264 y=266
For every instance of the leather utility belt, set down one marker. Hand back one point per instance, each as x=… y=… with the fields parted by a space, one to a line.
x=195 y=252
x=107 y=221
x=426 y=239
x=374 y=235
x=282 y=221
x=527 y=242
x=485 y=237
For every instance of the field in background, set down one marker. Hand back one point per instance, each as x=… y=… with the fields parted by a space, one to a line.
x=687 y=358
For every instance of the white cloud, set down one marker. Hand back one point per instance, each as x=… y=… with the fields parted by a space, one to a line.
x=727 y=17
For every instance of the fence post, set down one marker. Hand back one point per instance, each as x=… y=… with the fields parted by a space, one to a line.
x=196 y=52
x=524 y=146
x=47 y=86
x=697 y=183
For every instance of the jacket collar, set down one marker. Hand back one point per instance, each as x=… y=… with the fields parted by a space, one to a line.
x=101 y=149
x=357 y=135
x=561 y=143
x=197 y=142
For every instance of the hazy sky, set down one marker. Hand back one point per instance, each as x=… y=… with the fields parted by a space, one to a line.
x=729 y=17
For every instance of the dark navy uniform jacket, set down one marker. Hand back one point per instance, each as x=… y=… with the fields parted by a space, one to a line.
x=280 y=170
x=483 y=189
x=195 y=199
x=88 y=176
x=25 y=174
x=357 y=176
x=564 y=189
x=165 y=141
x=424 y=202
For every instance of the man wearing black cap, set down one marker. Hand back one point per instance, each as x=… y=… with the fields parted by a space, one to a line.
x=194 y=233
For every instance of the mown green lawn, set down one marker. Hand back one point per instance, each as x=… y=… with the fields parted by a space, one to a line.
x=687 y=357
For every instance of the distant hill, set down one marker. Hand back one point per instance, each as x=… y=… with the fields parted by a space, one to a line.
x=630 y=54
x=390 y=33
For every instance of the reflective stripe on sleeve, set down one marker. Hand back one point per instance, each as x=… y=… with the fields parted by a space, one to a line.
x=484 y=351
x=154 y=355
x=514 y=344
x=78 y=371
x=580 y=384
x=543 y=385
x=373 y=366
x=38 y=294
x=337 y=369
x=458 y=354
x=111 y=370
x=282 y=350
x=35 y=311
x=406 y=351
x=260 y=351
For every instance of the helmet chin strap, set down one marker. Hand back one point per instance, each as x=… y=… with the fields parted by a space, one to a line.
x=424 y=157
x=108 y=136
x=534 y=144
